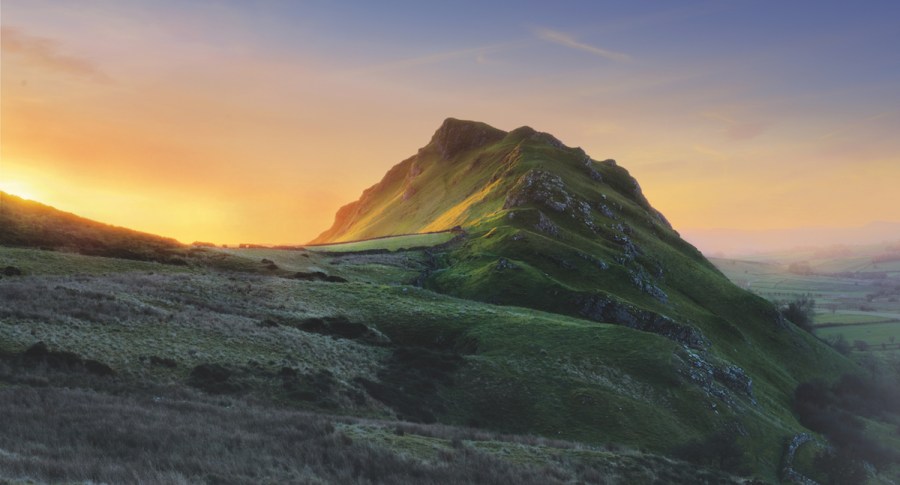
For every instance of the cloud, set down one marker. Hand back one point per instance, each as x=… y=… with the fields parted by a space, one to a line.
x=47 y=54
x=570 y=42
x=477 y=53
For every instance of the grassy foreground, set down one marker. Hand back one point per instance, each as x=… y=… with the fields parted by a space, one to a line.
x=142 y=364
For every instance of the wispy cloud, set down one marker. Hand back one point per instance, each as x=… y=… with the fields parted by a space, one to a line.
x=567 y=40
x=47 y=53
x=476 y=53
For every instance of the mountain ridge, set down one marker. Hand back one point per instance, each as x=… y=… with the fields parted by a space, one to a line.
x=551 y=229
x=451 y=142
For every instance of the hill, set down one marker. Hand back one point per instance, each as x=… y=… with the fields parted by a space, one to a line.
x=564 y=332
x=550 y=228
x=25 y=223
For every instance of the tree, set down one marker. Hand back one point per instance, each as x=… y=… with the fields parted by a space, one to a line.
x=800 y=312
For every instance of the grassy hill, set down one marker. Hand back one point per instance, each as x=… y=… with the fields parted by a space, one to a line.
x=564 y=308
x=551 y=229
x=25 y=223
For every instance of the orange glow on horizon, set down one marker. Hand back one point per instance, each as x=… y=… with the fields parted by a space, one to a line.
x=169 y=129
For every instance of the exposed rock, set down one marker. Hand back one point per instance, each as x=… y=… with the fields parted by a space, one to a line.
x=629 y=250
x=606 y=211
x=592 y=172
x=546 y=226
x=540 y=188
x=603 y=308
x=595 y=261
x=788 y=473
x=718 y=381
x=641 y=280
x=734 y=378
x=504 y=264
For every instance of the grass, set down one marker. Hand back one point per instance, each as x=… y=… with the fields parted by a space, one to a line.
x=59 y=435
x=522 y=371
x=32 y=262
x=874 y=334
x=196 y=318
x=845 y=318
x=392 y=243
x=570 y=310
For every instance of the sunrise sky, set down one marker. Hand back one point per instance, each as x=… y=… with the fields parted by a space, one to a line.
x=253 y=121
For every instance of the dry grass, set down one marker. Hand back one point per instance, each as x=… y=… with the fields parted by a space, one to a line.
x=63 y=435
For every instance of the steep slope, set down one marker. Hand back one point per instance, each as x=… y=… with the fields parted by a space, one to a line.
x=25 y=223
x=552 y=229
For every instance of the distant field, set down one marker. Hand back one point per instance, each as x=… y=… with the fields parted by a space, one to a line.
x=849 y=318
x=860 y=309
x=388 y=243
x=873 y=334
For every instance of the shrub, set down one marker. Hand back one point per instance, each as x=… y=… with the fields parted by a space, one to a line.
x=834 y=411
x=840 y=468
x=800 y=312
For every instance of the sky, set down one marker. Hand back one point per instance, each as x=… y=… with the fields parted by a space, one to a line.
x=253 y=121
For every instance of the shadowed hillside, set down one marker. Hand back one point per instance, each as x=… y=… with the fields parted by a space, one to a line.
x=24 y=223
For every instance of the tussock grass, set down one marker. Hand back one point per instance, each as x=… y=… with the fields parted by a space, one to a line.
x=63 y=435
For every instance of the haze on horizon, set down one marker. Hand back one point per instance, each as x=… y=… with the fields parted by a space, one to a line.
x=235 y=122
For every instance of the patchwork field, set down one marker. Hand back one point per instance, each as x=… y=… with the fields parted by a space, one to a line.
x=862 y=306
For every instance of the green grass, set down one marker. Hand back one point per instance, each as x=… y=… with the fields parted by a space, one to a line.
x=873 y=334
x=392 y=243
x=848 y=318
x=523 y=371
x=512 y=332
x=123 y=319
x=34 y=262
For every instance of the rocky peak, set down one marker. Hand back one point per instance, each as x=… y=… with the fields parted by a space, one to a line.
x=457 y=136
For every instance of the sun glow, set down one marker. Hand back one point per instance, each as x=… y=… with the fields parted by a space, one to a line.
x=19 y=188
